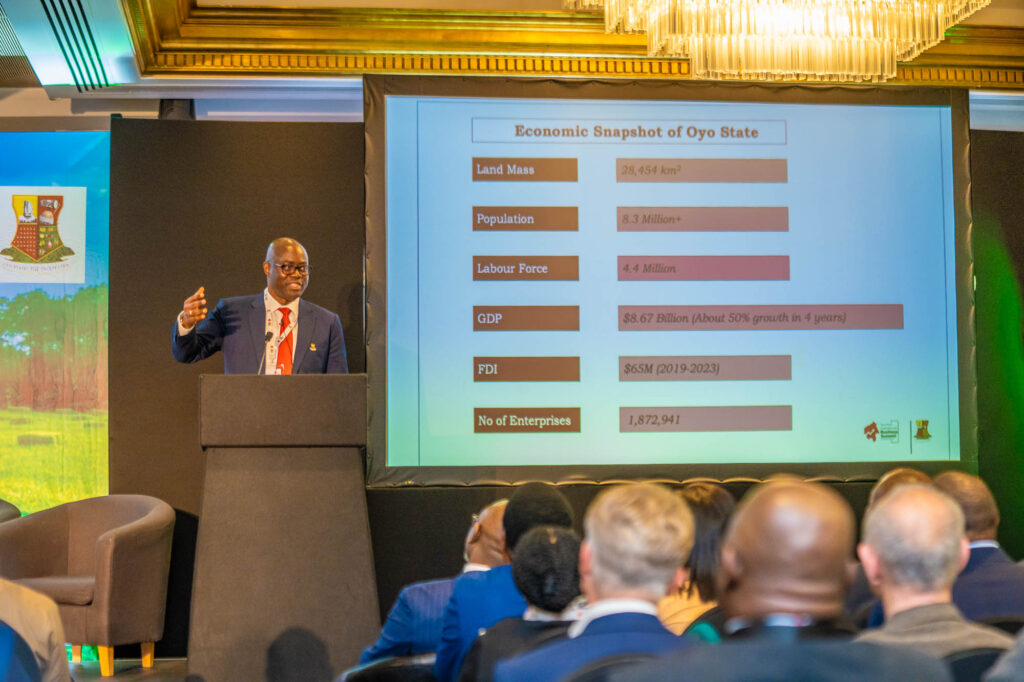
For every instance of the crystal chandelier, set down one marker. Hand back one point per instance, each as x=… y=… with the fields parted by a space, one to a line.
x=814 y=40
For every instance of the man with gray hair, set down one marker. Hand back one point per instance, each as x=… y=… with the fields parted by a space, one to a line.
x=913 y=548
x=637 y=537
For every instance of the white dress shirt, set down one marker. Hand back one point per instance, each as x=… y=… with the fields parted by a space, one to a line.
x=608 y=607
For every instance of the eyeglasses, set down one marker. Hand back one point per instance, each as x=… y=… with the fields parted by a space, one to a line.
x=288 y=268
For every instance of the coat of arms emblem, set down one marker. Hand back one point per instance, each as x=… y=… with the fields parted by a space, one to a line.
x=37 y=239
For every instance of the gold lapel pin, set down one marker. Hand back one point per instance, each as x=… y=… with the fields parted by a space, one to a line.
x=312 y=347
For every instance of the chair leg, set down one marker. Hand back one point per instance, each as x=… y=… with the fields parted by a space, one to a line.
x=76 y=653
x=147 y=654
x=106 y=656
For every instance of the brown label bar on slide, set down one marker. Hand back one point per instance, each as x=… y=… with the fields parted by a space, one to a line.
x=523 y=169
x=759 y=317
x=517 y=318
x=526 y=267
x=703 y=268
x=700 y=170
x=526 y=218
x=526 y=369
x=725 y=418
x=526 y=419
x=705 y=367
x=702 y=218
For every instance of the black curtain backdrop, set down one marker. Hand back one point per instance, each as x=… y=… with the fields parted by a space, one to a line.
x=196 y=202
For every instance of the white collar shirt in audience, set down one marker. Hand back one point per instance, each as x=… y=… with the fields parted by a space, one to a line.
x=608 y=607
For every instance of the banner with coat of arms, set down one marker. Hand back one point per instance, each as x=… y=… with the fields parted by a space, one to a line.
x=54 y=275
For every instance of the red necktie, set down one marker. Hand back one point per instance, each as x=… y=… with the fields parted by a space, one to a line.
x=284 y=351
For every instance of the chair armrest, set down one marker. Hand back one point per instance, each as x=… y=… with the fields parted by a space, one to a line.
x=136 y=559
x=34 y=545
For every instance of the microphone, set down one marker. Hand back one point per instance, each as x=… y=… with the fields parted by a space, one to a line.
x=266 y=340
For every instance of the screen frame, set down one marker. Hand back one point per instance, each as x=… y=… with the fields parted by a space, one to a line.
x=376 y=90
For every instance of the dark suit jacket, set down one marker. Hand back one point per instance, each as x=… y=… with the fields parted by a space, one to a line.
x=479 y=600
x=613 y=635
x=510 y=637
x=991 y=585
x=414 y=622
x=791 y=659
x=237 y=327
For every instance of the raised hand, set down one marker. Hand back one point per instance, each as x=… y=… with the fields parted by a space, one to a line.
x=194 y=308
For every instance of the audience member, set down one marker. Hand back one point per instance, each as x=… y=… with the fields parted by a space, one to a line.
x=413 y=625
x=546 y=571
x=914 y=546
x=637 y=537
x=35 y=617
x=481 y=599
x=711 y=506
x=991 y=585
x=783 y=574
x=859 y=597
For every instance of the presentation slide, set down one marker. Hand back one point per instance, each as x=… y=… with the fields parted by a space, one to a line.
x=668 y=282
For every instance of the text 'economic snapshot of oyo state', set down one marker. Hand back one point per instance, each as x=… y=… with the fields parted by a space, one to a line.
x=621 y=282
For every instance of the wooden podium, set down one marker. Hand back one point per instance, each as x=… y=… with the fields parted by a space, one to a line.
x=284 y=575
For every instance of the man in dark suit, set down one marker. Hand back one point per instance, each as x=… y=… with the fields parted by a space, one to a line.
x=414 y=623
x=991 y=585
x=479 y=600
x=783 y=574
x=275 y=332
x=637 y=537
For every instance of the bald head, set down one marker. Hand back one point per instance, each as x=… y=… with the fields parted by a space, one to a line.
x=280 y=245
x=916 y=535
x=981 y=515
x=787 y=550
x=485 y=543
x=893 y=479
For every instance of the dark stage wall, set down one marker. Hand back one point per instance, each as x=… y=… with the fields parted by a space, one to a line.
x=196 y=202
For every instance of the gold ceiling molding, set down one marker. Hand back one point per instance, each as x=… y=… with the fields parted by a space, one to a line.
x=179 y=39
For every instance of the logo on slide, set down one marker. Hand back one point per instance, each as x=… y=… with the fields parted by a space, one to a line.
x=887 y=431
x=922 y=429
x=46 y=229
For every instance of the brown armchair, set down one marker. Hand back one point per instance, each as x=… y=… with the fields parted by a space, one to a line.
x=104 y=561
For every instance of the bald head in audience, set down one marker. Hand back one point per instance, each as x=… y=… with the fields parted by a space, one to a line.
x=893 y=479
x=914 y=546
x=485 y=543
x=787 y=551
x=981 y=515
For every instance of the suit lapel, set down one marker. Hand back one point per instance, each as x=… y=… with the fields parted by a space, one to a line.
x=304 y=334
x=258 y=327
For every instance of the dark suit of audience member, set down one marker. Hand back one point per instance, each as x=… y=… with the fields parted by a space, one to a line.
x=637 y=537
x=479 y=600
x=546 y=572
x=413 y=625
x=914 y=545
x=784 y=657
x=991 y=585
x=782 y=581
